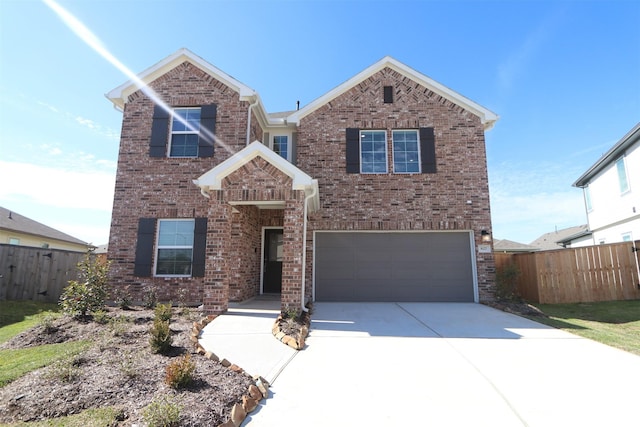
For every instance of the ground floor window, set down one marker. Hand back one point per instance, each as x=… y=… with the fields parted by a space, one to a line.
x=174 y=247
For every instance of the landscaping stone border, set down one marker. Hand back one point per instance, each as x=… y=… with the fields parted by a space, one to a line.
x=257 y=391
x=297 y=343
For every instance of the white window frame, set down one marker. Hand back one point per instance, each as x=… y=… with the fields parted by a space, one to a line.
x=587 y=199
x=273 y=145
x=14 y=241
x=386 y=151
x=627 y=237
x=183 y=132
x=393 y=151
x=158 y=247
x=626 y=175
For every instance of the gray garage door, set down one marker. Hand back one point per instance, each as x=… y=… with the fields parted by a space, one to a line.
x=431 y=266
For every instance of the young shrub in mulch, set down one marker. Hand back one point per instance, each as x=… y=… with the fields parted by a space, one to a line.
x=180 y=372
x=88 y=294
x=160 y=337
x=162 y=312
x=163 y=412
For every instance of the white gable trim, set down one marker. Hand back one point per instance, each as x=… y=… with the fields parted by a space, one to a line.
x=120 y=94
x=212 y=180
x=487 y=117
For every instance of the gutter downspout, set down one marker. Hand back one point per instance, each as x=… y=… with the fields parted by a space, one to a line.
x=253 y=104
x=304 y=247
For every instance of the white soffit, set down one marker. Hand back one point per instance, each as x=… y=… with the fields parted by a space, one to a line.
x=212 y=180
x=120 y=94
x=487 y=117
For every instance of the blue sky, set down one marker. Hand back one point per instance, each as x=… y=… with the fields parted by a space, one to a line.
x=564 y=76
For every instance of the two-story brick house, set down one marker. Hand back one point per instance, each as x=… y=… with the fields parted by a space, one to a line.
x=375 y=191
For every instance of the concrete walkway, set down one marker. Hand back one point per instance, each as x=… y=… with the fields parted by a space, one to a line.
x=434 y=364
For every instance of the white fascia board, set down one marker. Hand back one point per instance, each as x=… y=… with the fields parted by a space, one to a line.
x=119 y=95
x=212 y=180
x=487 y=117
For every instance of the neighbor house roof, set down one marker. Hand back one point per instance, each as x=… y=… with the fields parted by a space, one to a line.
x=505 y=245
x=487 y=117
x=632 y=137
x=12 y=221
x=552 y=240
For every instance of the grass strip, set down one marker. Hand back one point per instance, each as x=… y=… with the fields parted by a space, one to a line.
x=17 y=362
x=615 y=323
x=101 y=417
x=18 y=316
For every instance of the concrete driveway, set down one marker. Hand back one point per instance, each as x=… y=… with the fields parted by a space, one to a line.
x=440 y=364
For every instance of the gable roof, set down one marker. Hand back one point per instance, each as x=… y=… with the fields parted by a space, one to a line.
x=487 y=117
x=120 y=94
x=212 y=180
x=614 y=153
x=505 y=245
x=12 y=221
x=551 y=240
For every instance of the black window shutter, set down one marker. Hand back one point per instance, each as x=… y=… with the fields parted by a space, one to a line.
x=159 y=132
x=428 y=150
x=388 y=94
x=353 y=150
x=199 y=247
x=207 y=130
x=144 y=247
x=294 y=148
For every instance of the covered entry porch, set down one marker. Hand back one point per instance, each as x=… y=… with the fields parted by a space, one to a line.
x=256 y=229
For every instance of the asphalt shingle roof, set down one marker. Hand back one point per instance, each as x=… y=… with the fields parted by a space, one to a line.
x=13 y=221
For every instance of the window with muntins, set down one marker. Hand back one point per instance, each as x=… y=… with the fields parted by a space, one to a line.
x=281 y=146
x=185 y=128
x=406 y=151
x=373 y=151
x=622 y=175
x=174 y=247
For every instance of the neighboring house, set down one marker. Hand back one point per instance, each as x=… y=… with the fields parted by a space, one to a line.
x=509 y=246
x=612 y=192
x=16 y=229
x=571 y=237
x=375 y=191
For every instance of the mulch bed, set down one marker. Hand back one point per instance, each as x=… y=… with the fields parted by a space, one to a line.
x=119 y=370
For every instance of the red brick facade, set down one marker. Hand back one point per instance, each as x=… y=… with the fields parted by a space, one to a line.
x=454 y=198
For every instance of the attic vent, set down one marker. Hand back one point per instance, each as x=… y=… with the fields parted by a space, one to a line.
x=388 y=94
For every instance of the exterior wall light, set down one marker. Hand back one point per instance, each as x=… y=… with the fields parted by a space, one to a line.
x=486 y=236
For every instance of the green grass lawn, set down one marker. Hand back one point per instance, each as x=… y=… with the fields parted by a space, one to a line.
x=19 y=316
x=102 y=417
x=615 y=323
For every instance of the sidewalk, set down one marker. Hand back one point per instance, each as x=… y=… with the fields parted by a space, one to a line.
x=243 y=336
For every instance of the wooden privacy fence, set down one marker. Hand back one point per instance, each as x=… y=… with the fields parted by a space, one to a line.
x=35 y=273
x=586 y=274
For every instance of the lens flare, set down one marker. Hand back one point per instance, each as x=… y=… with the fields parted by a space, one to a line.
x=87 y=36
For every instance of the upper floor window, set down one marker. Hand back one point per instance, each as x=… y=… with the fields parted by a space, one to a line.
x=626 y=237
x=174 y=247
x=281 y=146
x=14 y=241
x=406 y=151
x=622 y=175
x=587 y=199
x=373 y=151
x=185 y=129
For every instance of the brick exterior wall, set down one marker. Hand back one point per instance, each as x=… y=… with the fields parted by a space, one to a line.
x=162 y=187
x=399 y=201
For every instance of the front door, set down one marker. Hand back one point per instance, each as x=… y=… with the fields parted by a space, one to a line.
x=272 y=275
